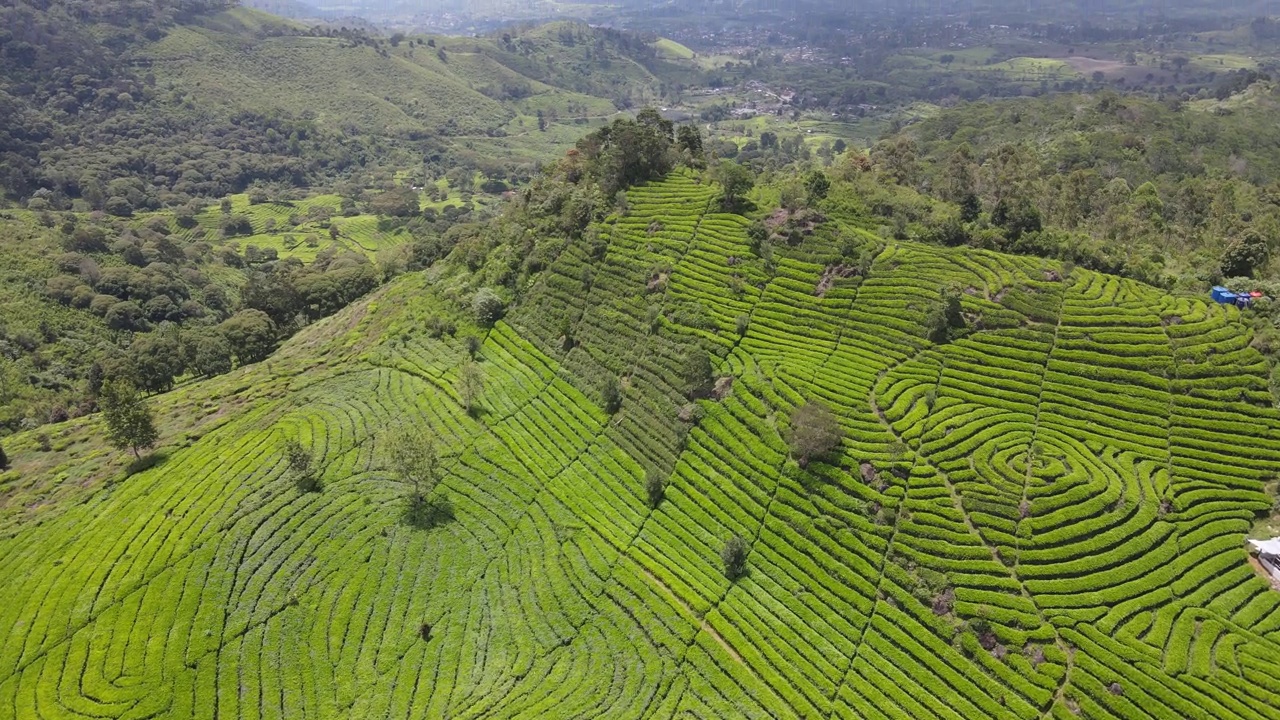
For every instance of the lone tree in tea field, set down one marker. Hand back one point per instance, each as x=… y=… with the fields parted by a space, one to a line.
x=815 y=432
x=611 y=394
x=696 y=372
x=299 y=461
x=471 y=386
x=655 y=488
x=945 y=321
x=488 y=307
x=416 y=462
x=734 y=557
x=129 y=422
x=736 y=181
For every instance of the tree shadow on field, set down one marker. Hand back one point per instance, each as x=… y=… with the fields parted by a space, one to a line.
x=423 y=514
x=146 y=462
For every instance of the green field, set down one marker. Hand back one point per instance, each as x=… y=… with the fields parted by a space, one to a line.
x=472 y=89
x=309 y=237
x=670 y=49
x=1043 y=519
x=979 y=60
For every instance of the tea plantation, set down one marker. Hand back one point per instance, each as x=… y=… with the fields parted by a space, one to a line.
x=1043 y=518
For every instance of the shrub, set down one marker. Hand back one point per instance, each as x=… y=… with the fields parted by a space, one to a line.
x=655 y=488
x=4 y=459
x=611 y=395
x=438 y=327
x=697 y=372
x=61 y=288
x=734 y=557
x=653 y=320
x=298 y=460
x=757 y=236
x=487 y=306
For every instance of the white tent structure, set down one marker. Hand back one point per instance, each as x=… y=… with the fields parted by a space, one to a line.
x=1268 y=552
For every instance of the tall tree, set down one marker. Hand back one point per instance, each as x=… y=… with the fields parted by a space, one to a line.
x=415 y=461
x=129 y=422
x=157 y=360
x=734 y=557
x=471 y=386
x=298 y=459
x=690 y=140
x=655 y=488
x=697 y=372
x=736 y=181
x=814 y=432
x=251 y=333
x=816 y=186
x=945 y=321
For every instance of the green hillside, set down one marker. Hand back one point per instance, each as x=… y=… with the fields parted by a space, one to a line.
x=360 y=88
x=82 y=293
x=1040 y=518
x=192 y=99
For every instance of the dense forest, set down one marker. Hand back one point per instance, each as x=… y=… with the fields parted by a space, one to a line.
x=1172 y=193
x=82 y=117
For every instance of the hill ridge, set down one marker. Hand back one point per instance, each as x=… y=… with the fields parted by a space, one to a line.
x=984 y=545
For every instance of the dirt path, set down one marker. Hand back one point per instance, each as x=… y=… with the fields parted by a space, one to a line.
x=705 y=627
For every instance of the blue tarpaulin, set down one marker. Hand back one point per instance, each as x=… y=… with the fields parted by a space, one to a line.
x=1223 y=295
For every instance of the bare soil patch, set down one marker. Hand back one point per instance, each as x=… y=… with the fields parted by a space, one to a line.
x=830 y=275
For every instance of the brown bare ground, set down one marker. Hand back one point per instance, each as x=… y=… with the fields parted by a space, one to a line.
x=1115 y=69
x=830 y=275
x=1088 y=66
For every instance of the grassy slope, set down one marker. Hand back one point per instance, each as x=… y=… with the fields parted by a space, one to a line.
x=344 y=86
x=670 y=49
x=229 y=64
x=556 y=592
